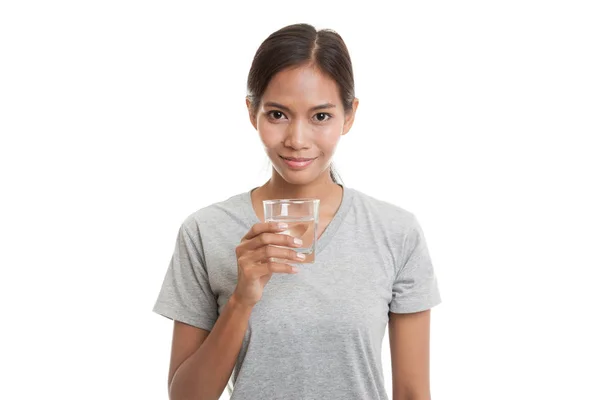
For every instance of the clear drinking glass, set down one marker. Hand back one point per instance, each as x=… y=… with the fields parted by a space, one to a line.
x=302 y=217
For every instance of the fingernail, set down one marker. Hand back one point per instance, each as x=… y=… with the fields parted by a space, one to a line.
x=282 y=225
x=298 y=241
x=301 y=256
x=294 y=269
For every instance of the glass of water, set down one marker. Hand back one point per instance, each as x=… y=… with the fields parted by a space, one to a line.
x=302 y=217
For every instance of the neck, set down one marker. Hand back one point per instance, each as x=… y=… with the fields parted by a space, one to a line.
x=321 y=188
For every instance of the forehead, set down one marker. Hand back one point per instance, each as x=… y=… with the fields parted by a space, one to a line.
x=302 y=86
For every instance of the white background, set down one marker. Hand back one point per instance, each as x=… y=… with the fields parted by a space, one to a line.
x=120 y=118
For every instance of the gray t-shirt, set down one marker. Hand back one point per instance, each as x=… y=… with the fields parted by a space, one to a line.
x=316 y=334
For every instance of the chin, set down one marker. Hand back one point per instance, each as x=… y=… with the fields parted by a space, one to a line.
x=304 y=177
x=295 y=178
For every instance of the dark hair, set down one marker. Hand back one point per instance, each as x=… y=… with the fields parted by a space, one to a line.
x=296 y=45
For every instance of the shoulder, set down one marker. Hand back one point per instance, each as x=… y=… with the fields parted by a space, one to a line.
x=232 y=209
x=385 y=212
x=389 y=225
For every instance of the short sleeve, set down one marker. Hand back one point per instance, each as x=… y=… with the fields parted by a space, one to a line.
x=186 y=294
x=415 y=287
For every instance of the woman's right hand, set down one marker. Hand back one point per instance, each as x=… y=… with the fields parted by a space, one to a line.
x=254 y=257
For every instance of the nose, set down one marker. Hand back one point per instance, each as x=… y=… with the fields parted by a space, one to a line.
x=296 y=137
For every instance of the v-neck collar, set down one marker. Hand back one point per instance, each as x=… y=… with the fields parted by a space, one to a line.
x=330 y=230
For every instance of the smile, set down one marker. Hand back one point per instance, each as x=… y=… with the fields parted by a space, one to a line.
x=297 y=163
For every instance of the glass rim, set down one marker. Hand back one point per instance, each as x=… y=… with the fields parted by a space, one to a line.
x=291 y=201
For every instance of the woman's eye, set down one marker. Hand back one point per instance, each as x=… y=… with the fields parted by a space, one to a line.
x=276 y=114
x=322 y=117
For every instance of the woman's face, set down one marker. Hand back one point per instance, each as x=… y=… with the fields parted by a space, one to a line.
x=300 y=121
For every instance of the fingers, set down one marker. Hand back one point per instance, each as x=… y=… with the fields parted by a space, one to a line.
x=276 y=239
x=281 y=268
x=262 y=251
x=263 y=227
x=268 y=253
x=265 y=239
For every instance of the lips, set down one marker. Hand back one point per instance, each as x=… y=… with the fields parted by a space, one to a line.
x=297 y=163
x=297 y=159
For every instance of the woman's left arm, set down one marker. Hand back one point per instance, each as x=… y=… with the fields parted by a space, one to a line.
x=409 y=345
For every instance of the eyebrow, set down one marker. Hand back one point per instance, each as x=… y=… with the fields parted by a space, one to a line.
x=319 y=107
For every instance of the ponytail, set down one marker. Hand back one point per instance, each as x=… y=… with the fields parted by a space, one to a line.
x=334 y=175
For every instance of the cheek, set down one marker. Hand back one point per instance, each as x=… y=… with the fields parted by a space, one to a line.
x=327 y=137
x=270 y=134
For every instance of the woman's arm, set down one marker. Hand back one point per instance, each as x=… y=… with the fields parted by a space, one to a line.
x=202 y=361
x=409 y=345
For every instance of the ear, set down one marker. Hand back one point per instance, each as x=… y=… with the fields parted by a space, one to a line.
x=251 y=113
x=349 y=117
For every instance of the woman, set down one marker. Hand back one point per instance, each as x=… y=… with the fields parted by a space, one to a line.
x=315 y=332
